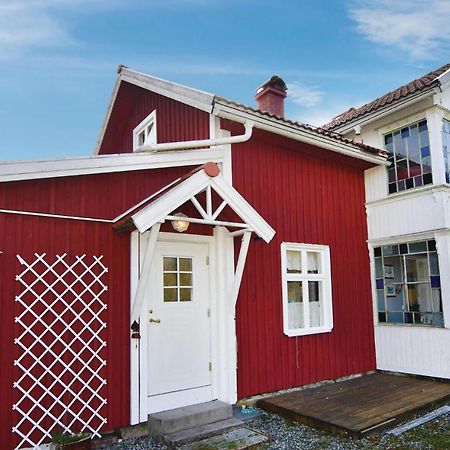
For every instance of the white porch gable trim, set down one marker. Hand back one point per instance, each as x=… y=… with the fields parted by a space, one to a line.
x=159 y=210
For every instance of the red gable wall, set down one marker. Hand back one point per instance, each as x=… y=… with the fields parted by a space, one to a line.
x=175 y=121
x=308 y=195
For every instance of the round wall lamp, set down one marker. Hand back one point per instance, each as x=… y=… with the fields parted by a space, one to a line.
x=180 y=224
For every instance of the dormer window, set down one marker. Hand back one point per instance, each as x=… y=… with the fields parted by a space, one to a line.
x=409 y=149
x=145 y=132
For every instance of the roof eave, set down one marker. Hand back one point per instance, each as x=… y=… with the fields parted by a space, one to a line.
x=370 y=117
x=278 y=126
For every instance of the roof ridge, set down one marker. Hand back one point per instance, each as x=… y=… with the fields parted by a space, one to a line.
x=403 y=91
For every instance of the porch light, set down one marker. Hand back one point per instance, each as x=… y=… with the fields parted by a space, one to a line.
x=180 y=224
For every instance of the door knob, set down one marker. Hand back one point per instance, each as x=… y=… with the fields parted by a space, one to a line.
x=155 y=321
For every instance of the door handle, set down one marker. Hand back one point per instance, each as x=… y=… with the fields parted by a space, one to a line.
x=155 y=321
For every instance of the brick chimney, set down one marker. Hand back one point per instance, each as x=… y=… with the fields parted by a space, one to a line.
x=270 y=96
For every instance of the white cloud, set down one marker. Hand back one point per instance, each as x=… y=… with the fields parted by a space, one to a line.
x=418 y=27
x=30 y=24
x=304 y=95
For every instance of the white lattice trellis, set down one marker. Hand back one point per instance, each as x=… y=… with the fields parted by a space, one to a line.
x=61 y=364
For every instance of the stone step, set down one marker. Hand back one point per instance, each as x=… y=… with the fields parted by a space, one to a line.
x=182 y=437
x=173 y=420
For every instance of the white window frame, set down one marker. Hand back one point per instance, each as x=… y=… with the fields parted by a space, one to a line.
x=152 y=137
x=324 y=277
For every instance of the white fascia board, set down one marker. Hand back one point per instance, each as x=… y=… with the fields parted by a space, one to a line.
x=444 y=77
x=189 y=96
x=161 y=207
x=164 y=205
x=292 y=132
x=107 y=116
x=88 y=165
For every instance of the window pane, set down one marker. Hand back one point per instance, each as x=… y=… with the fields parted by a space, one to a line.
x=393 y=269
x=295 y=293
x=417 y=247
x=315 y=303
x=419 y=297
x=170 y=295
x=170 y=279
x=186 y=264
x=185 y=279
x=294 y=261
x=378 y=268
x=380 y=300
x=185 y=294
x=295 y=304
x=417 y=268
x=434 y=264
x=313 y=262
x=169 y=264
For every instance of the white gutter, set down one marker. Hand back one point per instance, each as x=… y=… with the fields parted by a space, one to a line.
x=169 y=146
x=237 y=115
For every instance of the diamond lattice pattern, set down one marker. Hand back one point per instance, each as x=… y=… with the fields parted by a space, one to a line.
x=60 y=379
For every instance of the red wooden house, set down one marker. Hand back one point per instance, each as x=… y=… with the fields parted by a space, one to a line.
x=112 y=309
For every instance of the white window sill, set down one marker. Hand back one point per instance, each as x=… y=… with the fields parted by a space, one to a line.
x=306 y=332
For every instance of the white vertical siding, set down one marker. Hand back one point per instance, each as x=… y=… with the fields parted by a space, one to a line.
x=408 y=213
x=415 y=350
x=376 y=183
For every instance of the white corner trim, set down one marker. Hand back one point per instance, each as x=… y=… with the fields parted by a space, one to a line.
x=164 y=205
x=325 y=278
x=88 y=165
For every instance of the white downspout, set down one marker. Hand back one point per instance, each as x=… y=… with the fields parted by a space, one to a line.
x=165 y=147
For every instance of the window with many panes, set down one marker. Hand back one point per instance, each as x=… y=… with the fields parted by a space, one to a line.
x=306 y=277
x=408 y=284
x=409 y=150
x=446 y=147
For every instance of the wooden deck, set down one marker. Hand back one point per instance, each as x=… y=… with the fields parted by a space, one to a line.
x=359 y=406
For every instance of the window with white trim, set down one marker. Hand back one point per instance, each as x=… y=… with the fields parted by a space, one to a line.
x=145 y=132
x=409 y=149
x=306 y=278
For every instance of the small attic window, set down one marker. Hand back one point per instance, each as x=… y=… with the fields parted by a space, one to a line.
x=145 y=132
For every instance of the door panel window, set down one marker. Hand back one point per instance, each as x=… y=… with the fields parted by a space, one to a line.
x=177 y=279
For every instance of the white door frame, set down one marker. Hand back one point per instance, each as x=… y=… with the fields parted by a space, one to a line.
x=223 y=328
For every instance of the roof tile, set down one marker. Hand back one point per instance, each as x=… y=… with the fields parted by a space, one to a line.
x=402 y=92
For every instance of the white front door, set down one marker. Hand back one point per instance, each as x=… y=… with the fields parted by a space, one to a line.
x=177 y=315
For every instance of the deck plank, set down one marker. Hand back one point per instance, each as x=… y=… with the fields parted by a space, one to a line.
x=365 y=403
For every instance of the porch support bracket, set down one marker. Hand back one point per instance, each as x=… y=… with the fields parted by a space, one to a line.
x=240 y=268
x=146 y=269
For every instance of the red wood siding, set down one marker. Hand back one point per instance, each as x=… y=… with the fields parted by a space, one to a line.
x=92 y=195
x=308 y=196
x=175 y=121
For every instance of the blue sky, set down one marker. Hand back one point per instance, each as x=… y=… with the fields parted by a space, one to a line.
x=58 y=58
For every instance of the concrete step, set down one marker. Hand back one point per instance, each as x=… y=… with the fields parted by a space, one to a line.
x=182 y=437
x=173 y=420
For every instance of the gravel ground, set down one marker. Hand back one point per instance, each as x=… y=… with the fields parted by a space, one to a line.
x=286 y=435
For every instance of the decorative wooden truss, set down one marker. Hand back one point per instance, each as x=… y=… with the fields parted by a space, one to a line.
x=206 y=180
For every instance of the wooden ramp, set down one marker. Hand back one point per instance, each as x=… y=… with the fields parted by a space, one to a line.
x=359 y=406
